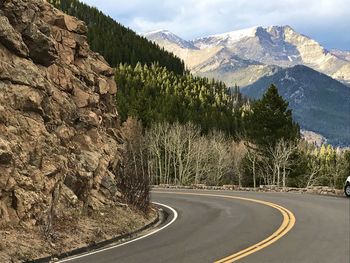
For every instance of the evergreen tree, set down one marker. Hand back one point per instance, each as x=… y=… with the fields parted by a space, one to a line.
x=269 y=121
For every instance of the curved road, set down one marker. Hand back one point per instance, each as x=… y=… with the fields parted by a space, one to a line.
x=209 y=228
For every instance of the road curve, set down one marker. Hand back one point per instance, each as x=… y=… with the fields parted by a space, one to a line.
x=210 y=228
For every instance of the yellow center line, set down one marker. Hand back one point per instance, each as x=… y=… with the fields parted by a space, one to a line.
x=287 y=224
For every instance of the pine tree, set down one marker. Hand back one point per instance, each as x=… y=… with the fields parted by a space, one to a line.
x=269 y=121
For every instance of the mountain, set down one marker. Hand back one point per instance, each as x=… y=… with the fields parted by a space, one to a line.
x=278 y=46
x=228 y=67
x=320 y=104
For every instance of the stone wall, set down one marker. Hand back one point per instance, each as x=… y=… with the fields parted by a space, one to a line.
x=321 y=190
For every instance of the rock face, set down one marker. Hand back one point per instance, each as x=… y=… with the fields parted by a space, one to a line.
x=59 y=135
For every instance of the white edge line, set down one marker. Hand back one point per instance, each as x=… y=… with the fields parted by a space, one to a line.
x=130 y=241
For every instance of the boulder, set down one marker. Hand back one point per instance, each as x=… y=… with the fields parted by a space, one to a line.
x=6 y=154
x=103 y=86
x=71 y=24
x=41 y=47
x=5 y=157
x=12 y=39
x=81 y=97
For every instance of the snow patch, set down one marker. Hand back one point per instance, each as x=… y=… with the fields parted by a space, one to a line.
x=237 y=34
x=158 y=31
x=287 y=77
x=298 y=95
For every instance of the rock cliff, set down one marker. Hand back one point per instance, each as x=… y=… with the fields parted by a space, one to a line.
x=59 y=135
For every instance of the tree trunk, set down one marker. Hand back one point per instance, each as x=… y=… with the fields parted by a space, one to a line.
x=254 y=175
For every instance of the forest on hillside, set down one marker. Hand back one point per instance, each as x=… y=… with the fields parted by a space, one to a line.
x=116 y=43
x=155 y=94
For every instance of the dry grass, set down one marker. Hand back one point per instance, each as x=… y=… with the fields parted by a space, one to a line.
x=70 y=231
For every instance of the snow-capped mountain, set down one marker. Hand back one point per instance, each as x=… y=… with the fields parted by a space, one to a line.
x=265 y=46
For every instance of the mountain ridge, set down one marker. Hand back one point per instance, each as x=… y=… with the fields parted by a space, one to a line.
x=273 y=45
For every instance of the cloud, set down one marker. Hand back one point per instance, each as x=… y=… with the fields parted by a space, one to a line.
x=328 y=20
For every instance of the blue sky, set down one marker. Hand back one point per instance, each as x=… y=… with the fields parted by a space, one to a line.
x=327 y=21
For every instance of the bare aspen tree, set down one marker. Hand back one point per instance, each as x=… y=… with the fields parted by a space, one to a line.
x=288 y=148
x=280 y=156
x=275 y=154
x=164 y=152
x=238 y=152
x=202 y=166
x=314 y=171
x=153 y=140
x=192 y=134
x=221 y=158
x=252 y=156
x=185 y=137
x=179 y=145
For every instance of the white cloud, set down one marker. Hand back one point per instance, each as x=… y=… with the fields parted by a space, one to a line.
x=194 y=18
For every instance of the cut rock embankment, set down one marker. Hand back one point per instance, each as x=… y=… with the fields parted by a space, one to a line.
x=60 y=141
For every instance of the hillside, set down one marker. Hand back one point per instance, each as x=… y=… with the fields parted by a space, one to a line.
x=320 y=104
x=154 y=94
x=115 y=42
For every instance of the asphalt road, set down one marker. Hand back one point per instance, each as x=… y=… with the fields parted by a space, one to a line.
x=210 y=228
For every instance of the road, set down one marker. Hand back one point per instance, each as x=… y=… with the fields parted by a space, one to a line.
x=209 y=228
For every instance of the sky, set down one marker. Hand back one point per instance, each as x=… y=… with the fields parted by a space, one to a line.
x=326 y=21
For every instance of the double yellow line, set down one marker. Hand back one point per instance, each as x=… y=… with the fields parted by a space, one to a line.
x=287 y=224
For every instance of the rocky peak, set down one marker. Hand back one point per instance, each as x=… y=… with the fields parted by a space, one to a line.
x=226 y=39
x=59 y=135
x=169 y=37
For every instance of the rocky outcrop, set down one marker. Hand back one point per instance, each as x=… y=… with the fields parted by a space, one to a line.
x=59 y=135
